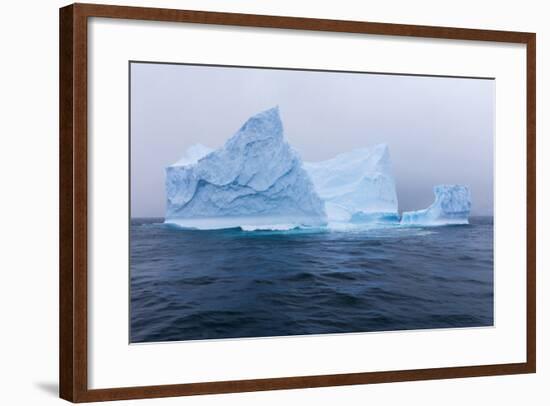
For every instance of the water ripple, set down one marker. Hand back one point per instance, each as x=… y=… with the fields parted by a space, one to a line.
x=192 y=285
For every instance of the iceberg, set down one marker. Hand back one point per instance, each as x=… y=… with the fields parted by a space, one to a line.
x=357 y=186
x=451 y=206
x=255 y=181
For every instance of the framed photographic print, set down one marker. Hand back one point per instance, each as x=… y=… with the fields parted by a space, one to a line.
x=256 y=202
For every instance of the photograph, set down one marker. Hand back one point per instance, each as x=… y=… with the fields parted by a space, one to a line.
x=275 y=203
x=271 y=202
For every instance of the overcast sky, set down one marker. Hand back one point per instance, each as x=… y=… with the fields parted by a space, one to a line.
x=439 y=130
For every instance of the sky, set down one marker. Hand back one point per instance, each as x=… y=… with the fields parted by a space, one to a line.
x=438 y=129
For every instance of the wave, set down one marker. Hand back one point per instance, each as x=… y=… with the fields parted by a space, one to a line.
x=293 y=228
x=269 y=227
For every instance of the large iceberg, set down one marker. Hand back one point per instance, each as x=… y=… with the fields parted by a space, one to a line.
x=451 y=206
x=255 y=181
x=357 y=186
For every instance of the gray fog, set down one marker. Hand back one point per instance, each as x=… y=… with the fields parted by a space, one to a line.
x=439 y=130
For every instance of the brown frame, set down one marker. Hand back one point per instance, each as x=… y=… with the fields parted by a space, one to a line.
x=73 y=360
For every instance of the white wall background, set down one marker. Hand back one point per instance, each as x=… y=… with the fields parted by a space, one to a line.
x=28 y=181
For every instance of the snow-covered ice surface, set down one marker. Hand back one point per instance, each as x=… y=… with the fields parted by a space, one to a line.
x=451 y=206
x=193 y=154
x=357 y=186
x=255 y=181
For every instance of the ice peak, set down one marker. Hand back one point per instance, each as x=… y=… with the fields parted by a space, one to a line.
x=439 y=189
x=266 y=124
x=453 y=198
x=356 y=183
x=451 y=206
x=381 y=148
x=380 y=156
x=255 y=180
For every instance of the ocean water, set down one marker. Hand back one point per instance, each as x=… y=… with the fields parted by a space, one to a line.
x=193 y=285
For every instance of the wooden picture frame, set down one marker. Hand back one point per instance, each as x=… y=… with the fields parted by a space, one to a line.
x=73 y=279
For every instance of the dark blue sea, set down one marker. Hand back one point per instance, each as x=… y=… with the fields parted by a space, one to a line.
x=193 y=285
